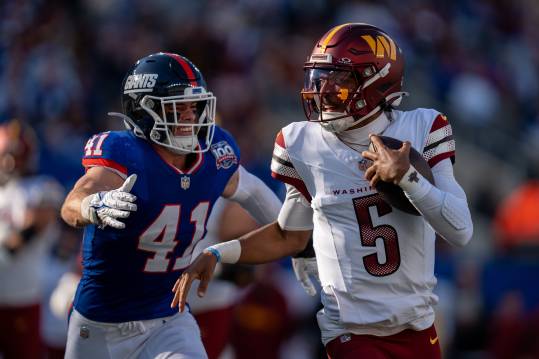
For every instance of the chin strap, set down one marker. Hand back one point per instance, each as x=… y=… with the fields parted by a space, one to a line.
x=363 y=118
x=395 y=98
x=392 y=98
x=380 y=74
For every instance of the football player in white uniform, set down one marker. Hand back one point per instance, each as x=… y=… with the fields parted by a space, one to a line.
x=28 y=225
x=375 y=262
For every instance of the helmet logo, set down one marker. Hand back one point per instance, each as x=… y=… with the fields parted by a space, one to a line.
x=381 y=46
x=140 y=83
x=155 y=135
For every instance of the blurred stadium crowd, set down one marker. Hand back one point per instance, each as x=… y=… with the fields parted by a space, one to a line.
x=62 y=63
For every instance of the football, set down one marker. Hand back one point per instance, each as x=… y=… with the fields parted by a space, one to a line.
x=393 y=194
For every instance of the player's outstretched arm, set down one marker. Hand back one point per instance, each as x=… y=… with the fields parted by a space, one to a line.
x=260 y=246
x=253 y=195
x=100 y=197
x=444 y=206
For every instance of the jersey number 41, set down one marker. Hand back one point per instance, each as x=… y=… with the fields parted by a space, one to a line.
x=160 y=237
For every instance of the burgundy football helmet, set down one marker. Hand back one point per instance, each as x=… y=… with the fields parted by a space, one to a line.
x=17 y=149
x=354 y=71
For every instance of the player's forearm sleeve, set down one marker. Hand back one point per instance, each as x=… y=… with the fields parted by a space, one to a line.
x=296 y=214
x=444 y=206
x=257 y=198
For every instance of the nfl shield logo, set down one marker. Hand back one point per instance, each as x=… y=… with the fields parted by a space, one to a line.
x=84 y=332
x=186 y=182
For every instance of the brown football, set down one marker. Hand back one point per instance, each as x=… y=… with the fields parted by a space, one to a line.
x=393 y=194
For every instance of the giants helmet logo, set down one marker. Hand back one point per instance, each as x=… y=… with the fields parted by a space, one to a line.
x=140 y=83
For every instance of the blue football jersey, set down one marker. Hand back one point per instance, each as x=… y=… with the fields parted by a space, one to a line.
x=128 y=273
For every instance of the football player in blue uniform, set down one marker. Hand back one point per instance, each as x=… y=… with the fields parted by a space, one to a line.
x=144 y=202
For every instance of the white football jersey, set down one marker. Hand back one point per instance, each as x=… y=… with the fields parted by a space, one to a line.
x=20 y=281
x=376 y=263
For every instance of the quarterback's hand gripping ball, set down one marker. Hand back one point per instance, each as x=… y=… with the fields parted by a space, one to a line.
x=107 y=207
x=391 y=159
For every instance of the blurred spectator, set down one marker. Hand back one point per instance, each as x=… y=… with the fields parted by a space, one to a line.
x=28 y=225
x=61 y=265
x=513 y=333
x=476 y=99
x=516 y=223
x=512 y=304
x=262 y=320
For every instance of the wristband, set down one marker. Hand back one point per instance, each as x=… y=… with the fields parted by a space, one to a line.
x=215 y=252
x=414 y=185
x=226 y=252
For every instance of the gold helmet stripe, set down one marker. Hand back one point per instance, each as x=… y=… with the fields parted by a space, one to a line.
x=332 y=33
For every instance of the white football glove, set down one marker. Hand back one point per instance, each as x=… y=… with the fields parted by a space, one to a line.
x=304 y=268
x=62 y=296
x=106 y=207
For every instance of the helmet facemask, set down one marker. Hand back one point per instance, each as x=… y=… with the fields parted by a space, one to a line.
x=170 y=129
x=335 y=97
x=327 y=96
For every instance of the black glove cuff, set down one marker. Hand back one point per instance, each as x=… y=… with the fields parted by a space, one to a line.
x=308 y=252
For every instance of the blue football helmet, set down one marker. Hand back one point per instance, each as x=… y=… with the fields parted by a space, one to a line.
x=157 y=90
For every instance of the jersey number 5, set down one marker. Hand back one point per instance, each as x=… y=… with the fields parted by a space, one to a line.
x=160 y=237
x=369 y=233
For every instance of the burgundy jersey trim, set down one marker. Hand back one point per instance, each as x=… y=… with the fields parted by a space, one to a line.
x=439 y=122
x=282 y=168
x=440 y=143
x=434 y=160
x=280 y=139
x=300 y=186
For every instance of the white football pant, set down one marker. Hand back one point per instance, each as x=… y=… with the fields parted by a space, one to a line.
x=175 y=337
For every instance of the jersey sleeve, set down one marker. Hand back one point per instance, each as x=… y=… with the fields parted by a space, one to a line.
x=225 y=151
x=440 y=143
x=106 y=150
x=235 y=155
x=282 y=168
x=295 y=213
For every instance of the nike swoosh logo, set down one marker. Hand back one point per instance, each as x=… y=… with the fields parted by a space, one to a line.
x=433 y=341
